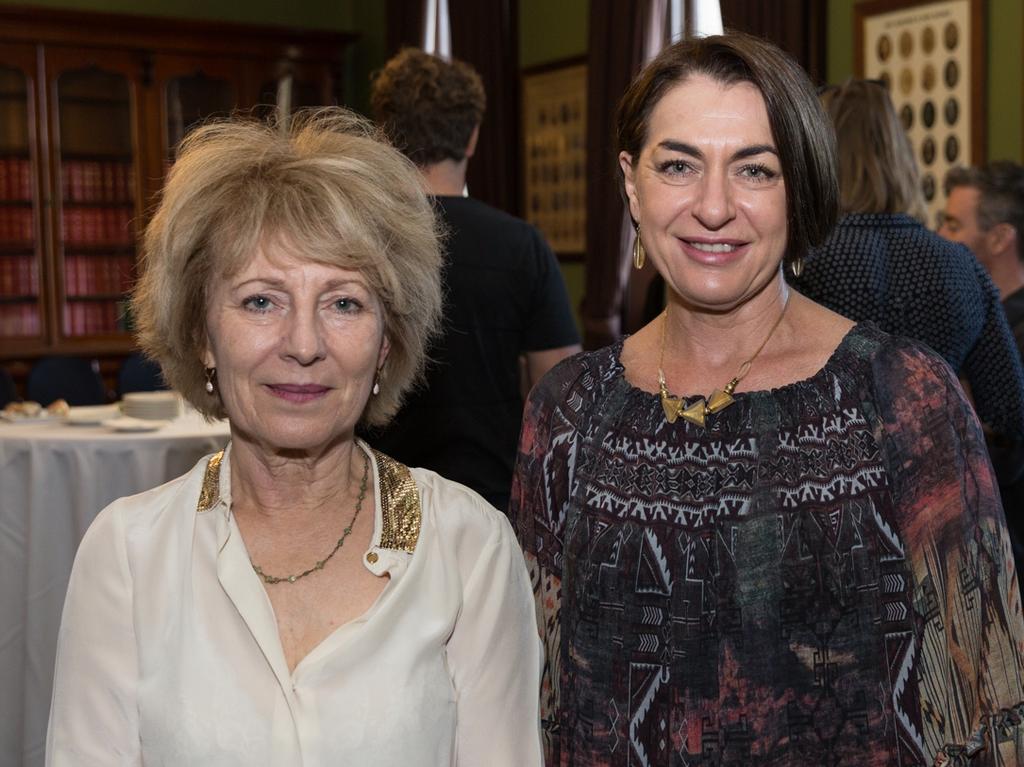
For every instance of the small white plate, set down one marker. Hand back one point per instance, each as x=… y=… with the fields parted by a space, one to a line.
x=125 y=423
x=92 y=414
x=41 y=417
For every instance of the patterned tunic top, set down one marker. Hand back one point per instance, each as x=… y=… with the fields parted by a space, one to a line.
x=820 y=577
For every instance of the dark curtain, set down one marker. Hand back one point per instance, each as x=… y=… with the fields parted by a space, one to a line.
x=404 y=25
x=485 y=34
x=796 y=26
x=615 y=45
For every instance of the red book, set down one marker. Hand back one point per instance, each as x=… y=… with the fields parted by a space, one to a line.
x=89 y=226
x=90 y=182
x=26 y=224
x=6 y=185
x=26 y=179
x=73 y=177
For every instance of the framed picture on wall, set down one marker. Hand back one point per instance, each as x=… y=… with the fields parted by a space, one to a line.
x=554 y=113
x=930 y=55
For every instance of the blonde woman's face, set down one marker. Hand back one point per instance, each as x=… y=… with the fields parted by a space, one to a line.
x=708 y=193
x=296 y=345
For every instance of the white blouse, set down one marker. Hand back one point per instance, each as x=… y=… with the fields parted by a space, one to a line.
x=169 y=652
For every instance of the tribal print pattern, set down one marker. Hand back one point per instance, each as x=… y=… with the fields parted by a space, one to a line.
x=821 y=577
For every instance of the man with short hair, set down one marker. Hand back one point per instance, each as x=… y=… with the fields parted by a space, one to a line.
x=505 y=296
x=985 y=212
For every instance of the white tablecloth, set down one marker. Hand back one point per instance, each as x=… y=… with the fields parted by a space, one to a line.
x=54 y=479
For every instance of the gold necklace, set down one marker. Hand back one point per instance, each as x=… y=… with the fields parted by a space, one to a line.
x=271 y=579
x=720 y=399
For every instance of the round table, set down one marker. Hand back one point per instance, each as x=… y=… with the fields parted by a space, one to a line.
x=54 y=479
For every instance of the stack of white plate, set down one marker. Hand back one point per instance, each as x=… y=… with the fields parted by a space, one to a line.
x=151 y=405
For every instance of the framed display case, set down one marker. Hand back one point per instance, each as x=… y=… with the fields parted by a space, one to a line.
x=554 y=111
x=930 y=55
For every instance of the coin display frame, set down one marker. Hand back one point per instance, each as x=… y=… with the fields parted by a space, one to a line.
x=934 y=65
x=554 y=115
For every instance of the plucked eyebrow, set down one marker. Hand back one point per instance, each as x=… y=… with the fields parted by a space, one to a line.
x=740 y=154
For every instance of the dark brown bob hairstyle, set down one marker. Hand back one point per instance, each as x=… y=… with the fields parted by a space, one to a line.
x=803 y=135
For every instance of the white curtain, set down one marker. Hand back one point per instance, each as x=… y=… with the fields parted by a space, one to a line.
x=437 y=29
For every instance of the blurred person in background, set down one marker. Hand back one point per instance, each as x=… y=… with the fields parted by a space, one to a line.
x=985 y=212
x=504 y=293
x=298 y=598
x=882 y=264
x=758 y=532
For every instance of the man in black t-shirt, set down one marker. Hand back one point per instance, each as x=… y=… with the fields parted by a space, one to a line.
x=505 y=296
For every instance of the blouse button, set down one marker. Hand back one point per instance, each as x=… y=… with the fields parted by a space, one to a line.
x=371 y=557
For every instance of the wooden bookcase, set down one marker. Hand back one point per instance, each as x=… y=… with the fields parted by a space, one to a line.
x=92 y=107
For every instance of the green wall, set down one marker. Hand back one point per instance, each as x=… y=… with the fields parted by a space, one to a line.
x=1005 y=73
x=549 y=31
x=314 y=14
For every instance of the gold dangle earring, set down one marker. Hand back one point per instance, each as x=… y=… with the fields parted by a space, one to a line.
x=639 y=254
x=211 y=374
x=796 y=266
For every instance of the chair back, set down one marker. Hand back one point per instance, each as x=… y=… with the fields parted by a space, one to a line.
x=73 y=379
x=8 y=391
x=139 y=373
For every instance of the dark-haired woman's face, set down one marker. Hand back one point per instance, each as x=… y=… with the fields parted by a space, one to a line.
x=708 y=193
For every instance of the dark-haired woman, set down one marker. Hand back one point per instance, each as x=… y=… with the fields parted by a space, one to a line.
x=759 y=534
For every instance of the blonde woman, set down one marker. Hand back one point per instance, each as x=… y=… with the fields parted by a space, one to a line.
x=298 y=599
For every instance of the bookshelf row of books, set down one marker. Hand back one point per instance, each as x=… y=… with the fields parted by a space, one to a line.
x=87 y=318
x=21 y=319
x=18 y=276
x=16 y=225
x=89 y=275
x=98 y=226
x=97 y=181
x=15 y=179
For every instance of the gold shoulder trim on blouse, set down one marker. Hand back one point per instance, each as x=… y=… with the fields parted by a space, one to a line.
x=399 y=503
x=210 y=492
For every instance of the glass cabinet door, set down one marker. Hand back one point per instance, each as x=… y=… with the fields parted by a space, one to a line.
x=193 y=99
x=96 y=170
x=20 y=249
x=295 y=85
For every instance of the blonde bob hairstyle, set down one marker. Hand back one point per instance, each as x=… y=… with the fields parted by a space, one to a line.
x=328 y=187
x=877 y=171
